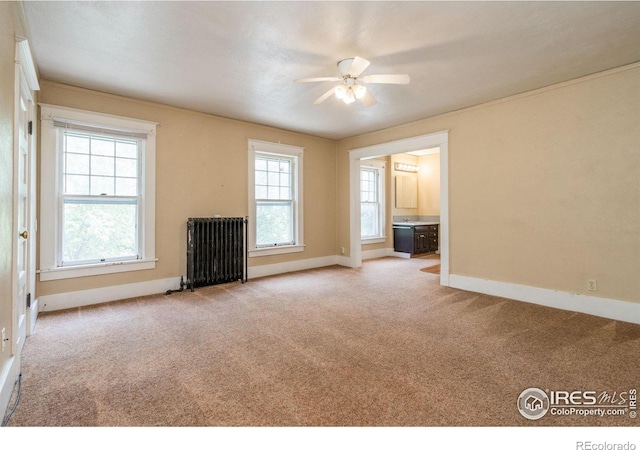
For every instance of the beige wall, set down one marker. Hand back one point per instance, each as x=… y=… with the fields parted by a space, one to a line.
x=201 y=171
x=429 y=185
x=544 y=188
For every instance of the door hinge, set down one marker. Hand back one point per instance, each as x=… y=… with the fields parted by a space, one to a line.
x=29 y=300
x=30 y=127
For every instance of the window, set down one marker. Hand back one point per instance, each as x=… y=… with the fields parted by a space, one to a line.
x=275 y=193
x=372 y=209
x=97 y=195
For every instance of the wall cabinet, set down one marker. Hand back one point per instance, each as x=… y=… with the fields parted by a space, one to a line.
x=407 y=191
x=415 y=239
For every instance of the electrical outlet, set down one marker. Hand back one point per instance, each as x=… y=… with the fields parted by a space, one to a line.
x=4 y=337
x=592 y=285
x=342 y=250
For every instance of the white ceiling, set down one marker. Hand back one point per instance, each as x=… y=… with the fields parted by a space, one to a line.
x=239 y=59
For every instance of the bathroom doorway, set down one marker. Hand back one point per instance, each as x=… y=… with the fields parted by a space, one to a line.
x=430 y=141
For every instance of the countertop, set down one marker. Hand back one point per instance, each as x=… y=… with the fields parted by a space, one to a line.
x=415 y=224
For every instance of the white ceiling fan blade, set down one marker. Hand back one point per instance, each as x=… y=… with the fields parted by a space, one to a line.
x=324 y=96
x=357 y=66
x=368 y=100
x=310 y=80
x=387 y=79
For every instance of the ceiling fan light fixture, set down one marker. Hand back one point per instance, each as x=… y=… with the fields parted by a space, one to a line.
x=349 y=97
x=359 y=91
x=351 y=88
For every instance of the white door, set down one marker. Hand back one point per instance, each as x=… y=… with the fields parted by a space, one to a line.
x=24 y=201
x=21 y=212
x=31 y=222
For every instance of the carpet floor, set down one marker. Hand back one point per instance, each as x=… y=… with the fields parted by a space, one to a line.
x=384 y=345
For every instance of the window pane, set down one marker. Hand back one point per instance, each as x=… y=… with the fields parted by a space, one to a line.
x=261 y=192
x=273 y=165
x=102 y=186
x=274 y=179
x=261 y=164
x=76 y=185
x=127 y=186
x=77 y=144
x=274 y=223
x=370 y=206
x=99 y=231
x=273 y=193
x=103 y=147
x=127 y=149
x=101 y=165
x=261 y=178
x=369 y=220
x=77 y=164
x=126 y=167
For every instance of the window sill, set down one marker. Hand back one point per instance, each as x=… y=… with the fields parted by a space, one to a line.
x=61 y=273
x=376 y=240
x=275 y=250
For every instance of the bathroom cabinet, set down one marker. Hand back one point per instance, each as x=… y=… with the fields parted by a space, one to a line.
x=415 y=238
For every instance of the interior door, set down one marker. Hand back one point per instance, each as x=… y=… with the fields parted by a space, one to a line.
x=22 y=210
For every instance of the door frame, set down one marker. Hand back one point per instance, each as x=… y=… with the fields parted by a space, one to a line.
x=439 y=139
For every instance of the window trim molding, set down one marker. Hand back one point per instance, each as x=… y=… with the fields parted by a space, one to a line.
x=381 y=166
x=49 y=223
x=257 y=146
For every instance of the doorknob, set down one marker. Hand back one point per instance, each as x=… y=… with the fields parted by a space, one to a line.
x=24 y=234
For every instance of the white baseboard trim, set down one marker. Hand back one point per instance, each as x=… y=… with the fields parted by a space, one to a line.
x=8 y=377
x=87 y=297
x=596 y=306
x=292 y=266
x=342 y=260
x=378 y=253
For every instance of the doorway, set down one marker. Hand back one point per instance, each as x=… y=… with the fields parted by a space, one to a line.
x=439 y=140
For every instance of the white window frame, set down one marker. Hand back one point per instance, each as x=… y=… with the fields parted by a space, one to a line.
x=283 y=150
x=380 y=167
x=50 y=213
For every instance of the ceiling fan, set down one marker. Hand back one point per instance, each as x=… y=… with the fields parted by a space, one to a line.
x=352 y=87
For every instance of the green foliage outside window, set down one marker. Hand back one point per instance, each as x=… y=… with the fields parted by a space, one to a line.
x=94 y=232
